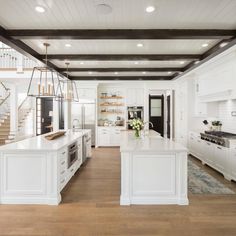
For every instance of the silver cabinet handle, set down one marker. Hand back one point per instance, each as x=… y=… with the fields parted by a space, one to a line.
x=71 y=170
x=209 y=144
x=63 y=181
x=63 y=153
x=219 y=148
x=63 y=172
x=63 y=162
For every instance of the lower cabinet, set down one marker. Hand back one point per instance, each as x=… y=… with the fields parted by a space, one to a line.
x=220 y=158
x=65 y=173
x=232 y=164
x=109 y=136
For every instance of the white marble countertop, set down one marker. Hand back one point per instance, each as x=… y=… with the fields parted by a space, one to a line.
x=40 y=143
x=152 y=142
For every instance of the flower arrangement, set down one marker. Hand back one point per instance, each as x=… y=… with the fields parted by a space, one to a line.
x=136 y=125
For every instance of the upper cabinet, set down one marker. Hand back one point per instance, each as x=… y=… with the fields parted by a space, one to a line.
x=87 y=93
x=216 y=81
x=135 y=97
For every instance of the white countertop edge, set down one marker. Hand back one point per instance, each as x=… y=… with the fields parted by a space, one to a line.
x=12 y=147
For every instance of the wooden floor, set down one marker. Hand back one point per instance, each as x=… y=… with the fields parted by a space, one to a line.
x=91 y=207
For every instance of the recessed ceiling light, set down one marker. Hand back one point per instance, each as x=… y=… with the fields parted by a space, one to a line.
x=139 y=45
x=144 y=72
x=169 y=72
x=81 y=63
x=90 y=72
x=196 y=62
x=40 y=9
x=67 y=45
x=136 y=62
x=205 y=45
x=150 y=9
x=182 y=62
x=223 y=44
x=116 y=73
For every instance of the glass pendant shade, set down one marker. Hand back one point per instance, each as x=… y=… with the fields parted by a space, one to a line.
x=44 y=81
x=69 y=90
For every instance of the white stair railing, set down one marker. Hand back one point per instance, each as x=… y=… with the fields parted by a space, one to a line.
x=11 y=59
x=4 y=100
x=25 y=118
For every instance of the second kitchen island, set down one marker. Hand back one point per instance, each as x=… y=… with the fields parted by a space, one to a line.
x=35 y=170
x=153 y=170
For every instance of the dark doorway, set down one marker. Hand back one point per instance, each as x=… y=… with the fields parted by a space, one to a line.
x=44 y=113
x=61 y=114
x=168 y=116
x=156 y=113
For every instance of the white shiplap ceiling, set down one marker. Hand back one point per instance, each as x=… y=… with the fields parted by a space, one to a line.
x=122 y=46
x=118 y=64
x=126 y=14
x=129 y=14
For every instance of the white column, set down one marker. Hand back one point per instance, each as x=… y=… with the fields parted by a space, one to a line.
x=13 y=110
x=67 y=115
x=55 y=118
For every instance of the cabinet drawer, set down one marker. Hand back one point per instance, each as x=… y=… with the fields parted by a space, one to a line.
x=62 y=173
x=62 y=183
x=63 y=153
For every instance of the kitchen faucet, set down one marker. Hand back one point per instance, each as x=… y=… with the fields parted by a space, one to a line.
x=148 y=122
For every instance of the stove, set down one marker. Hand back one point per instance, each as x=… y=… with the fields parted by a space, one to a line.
x=218 y=137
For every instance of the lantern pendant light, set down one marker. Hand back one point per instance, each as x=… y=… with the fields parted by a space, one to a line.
x=44 y=80
x=69 y=88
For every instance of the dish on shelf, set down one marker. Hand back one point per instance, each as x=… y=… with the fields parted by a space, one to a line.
x=111 y=97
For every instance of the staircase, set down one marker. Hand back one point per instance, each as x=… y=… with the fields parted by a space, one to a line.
x=24 y=111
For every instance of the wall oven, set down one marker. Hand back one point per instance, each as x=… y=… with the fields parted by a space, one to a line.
x=72 y=154
x=134 y=113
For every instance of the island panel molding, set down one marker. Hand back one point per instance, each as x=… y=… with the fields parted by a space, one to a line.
x=35 y=170
x=153 y=170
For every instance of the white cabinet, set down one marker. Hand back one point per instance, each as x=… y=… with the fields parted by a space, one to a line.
x=212 y=154
x=200 y=108
x=232 y=164
x=109 y=136
x=103 y=136
x=221 y=158
x=208 y=150
x=87 y=93
x=135 y=97
x=115 y=137
x=195 y=144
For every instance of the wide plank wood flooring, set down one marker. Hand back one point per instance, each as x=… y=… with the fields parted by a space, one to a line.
x=91 y=207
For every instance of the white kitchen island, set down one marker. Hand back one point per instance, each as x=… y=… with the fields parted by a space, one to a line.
x=153 y=170
x=35 y=170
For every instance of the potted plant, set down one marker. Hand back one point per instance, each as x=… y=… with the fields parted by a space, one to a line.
x=137 y=125
x=216 y=125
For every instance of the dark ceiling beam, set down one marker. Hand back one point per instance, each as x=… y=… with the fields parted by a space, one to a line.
x=122 y=33
x=22 y=47
x=211 y=53
x=123 y=57
x=121 y=78
x=160 y=69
